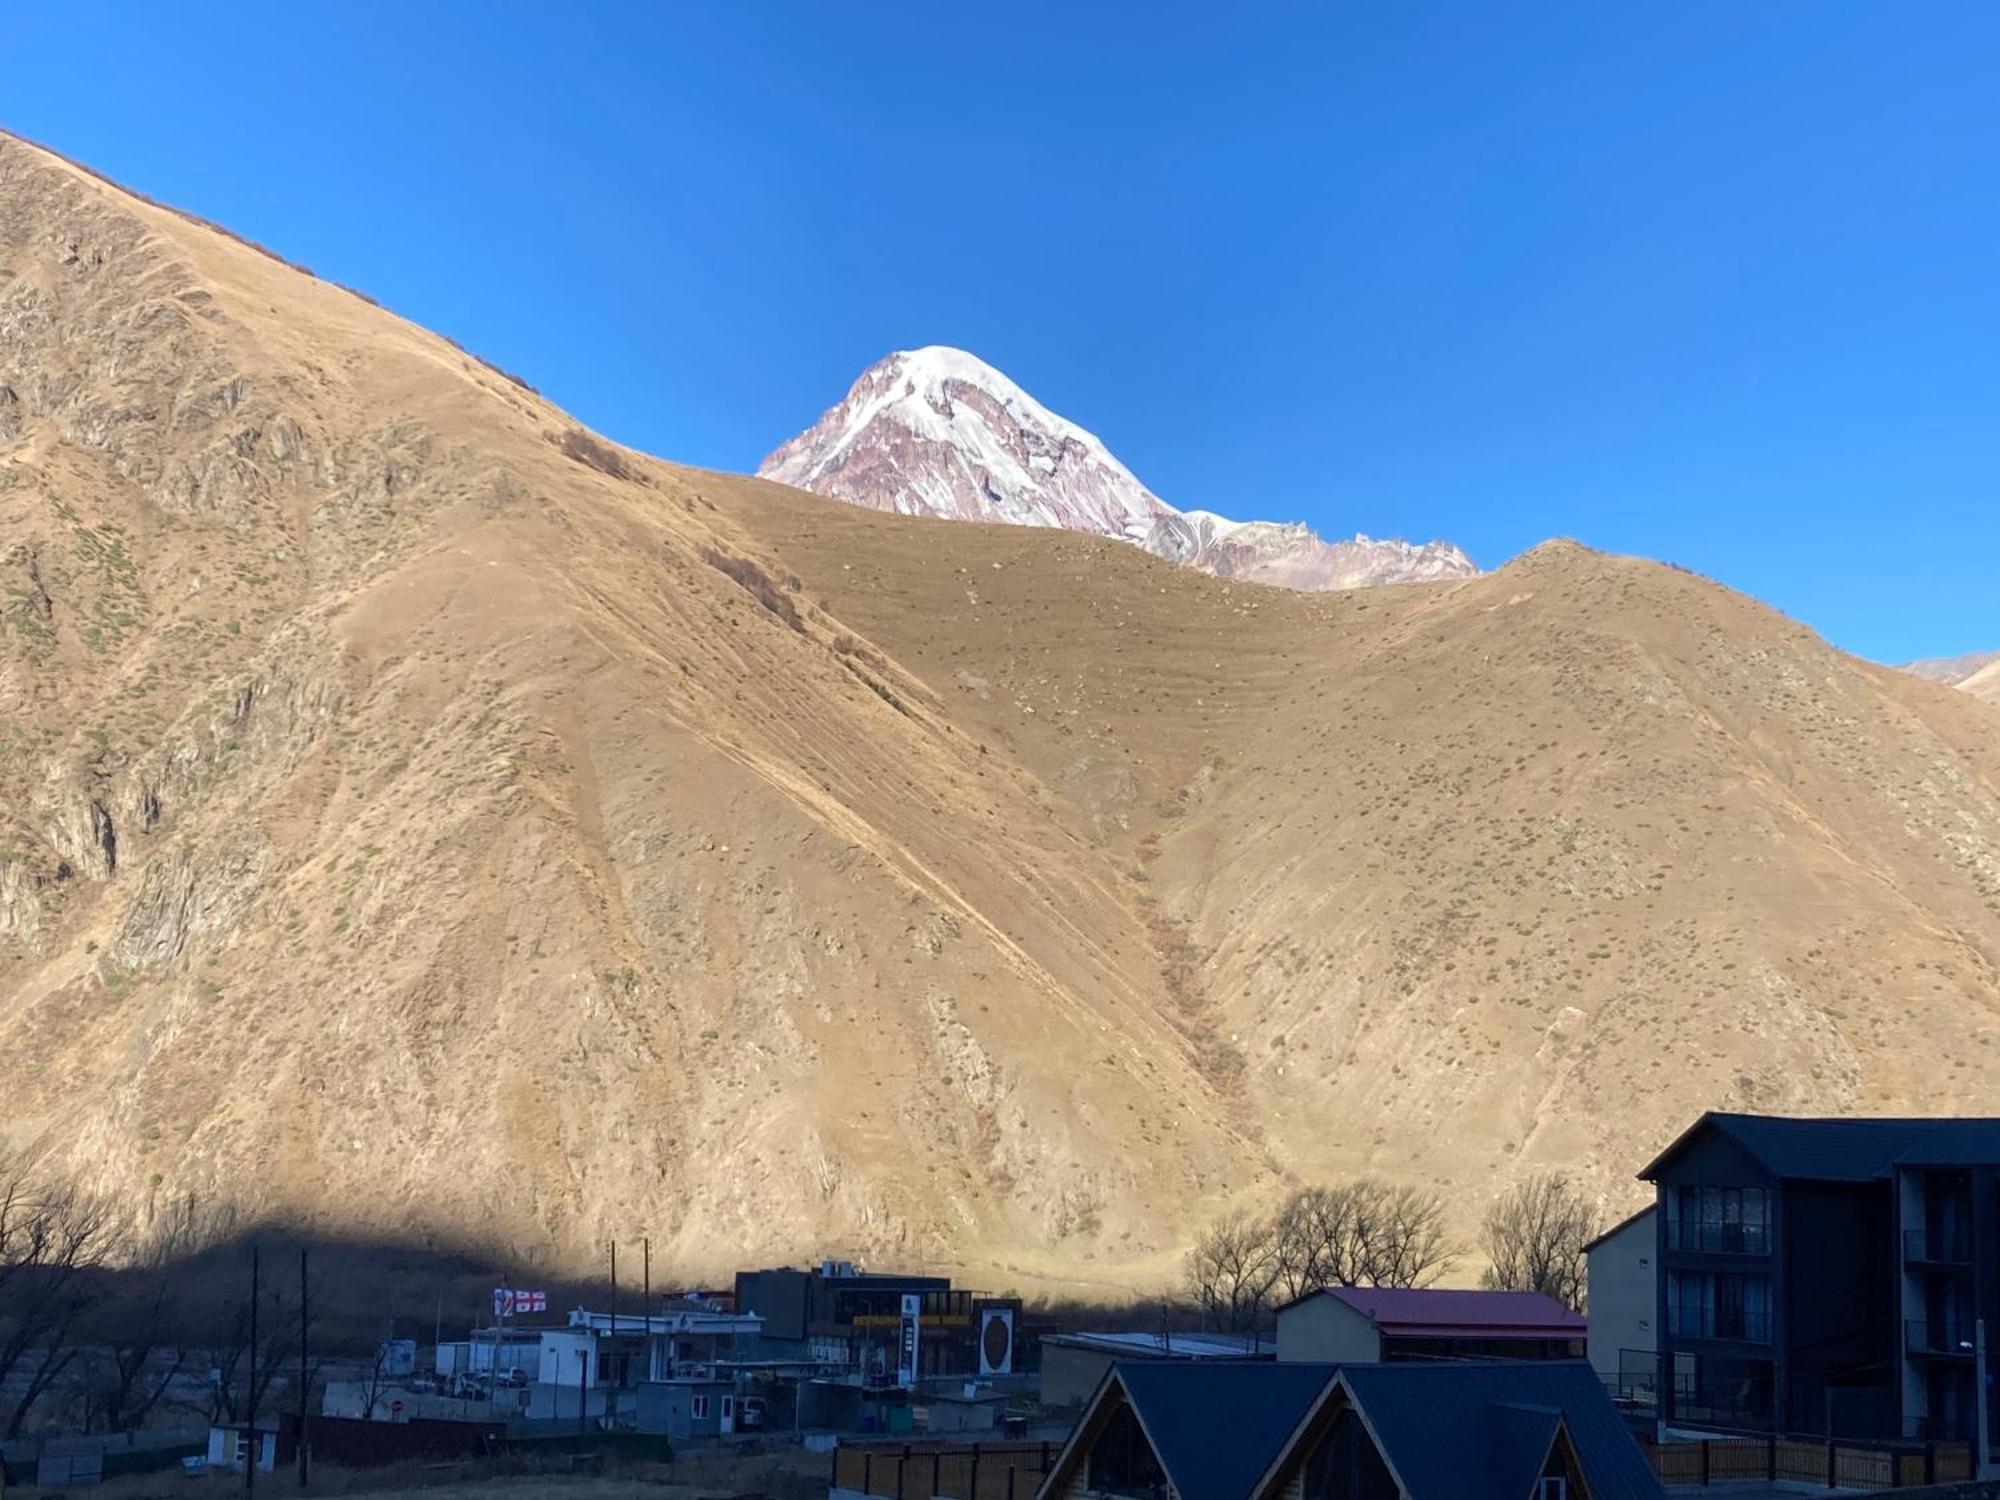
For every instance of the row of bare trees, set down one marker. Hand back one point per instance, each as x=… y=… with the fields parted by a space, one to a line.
x=1364 y=1233
x=110 y=1345
x=1534 y=1238
x=1372 y=1233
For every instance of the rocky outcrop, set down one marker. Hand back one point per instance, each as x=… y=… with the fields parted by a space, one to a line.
x=188 y=891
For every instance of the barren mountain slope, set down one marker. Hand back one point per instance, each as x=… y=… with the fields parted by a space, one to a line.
x=1486 y=877
x=1985 y=683
x=412 y=822
x=420 y=814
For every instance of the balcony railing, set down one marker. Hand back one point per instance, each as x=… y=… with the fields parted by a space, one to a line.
x=1948 y=1337
x=1718 y=1237
x=1939 y=1429
x=1952 y=1247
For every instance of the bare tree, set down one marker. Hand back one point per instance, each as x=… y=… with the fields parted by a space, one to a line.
x=372 y=1387
x=145 y=1332
x=227 y=1322
x=1534 y=1237
x=50 y=1243
x=1403 y=1237
x=1231 y=1270
x=1363 y=1233
x=1316 y=1242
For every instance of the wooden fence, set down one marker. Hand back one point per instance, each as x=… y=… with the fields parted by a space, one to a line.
x=914 y=1471
x=1836 y=1465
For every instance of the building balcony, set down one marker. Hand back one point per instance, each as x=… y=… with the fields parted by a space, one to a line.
x=1751 y=1328
x=1939 y=1429
x=1951 y=1339
x=1730 y=1410
x=1951 y=1248
x=1715 y=1237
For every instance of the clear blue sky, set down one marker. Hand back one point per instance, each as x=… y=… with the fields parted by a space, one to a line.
x=1714 y=283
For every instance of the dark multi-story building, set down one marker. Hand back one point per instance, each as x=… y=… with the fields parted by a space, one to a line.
x=1827 y=1276
x=852 y=1320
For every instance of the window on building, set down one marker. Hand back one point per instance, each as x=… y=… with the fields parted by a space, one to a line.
x=1725 y=1220
x=1718 y=1305
x=1122 y=1462
x=700 y=1408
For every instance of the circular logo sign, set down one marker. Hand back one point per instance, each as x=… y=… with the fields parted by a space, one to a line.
x=995 y=1341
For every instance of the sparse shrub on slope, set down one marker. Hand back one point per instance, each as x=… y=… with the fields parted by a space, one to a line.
x=760 y=585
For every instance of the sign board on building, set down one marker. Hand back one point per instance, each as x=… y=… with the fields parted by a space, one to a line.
x=996 y=1341
x=906 y=1365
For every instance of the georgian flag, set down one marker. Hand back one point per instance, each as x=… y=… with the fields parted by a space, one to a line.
x=507 y=1304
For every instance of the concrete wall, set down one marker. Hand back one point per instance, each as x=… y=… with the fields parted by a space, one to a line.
x=558 y=1363
x=558 y=1403
x=1325 y=1330
x=1624 y=1293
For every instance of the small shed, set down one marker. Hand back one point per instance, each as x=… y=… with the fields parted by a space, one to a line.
x=275 y=1442
x=687 y=1408
x=971 y=1410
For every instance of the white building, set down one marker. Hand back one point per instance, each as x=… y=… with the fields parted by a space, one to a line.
x=1624 y=1292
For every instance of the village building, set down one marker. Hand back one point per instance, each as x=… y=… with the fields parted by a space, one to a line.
x=1623 y=1277
x=1828 y=1277
x=854 y=1322
x=1418 y=1430
x=1073 y=1365
x=1345 y=1324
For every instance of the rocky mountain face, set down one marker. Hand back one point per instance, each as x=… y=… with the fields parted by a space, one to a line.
x=419 y=815
x=938 y=432
x=1977 y=673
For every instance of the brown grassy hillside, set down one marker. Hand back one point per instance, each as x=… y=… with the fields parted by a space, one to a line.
x=418 y=814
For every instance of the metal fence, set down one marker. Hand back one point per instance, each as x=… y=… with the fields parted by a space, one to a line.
x=972 y=1471
x=1861 y=1466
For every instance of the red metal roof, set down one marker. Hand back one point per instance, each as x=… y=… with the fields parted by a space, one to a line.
x=1442 y=1312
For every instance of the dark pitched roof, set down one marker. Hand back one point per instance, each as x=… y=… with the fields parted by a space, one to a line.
x=1518 y=1439
x=1621 y=1226
x=1451 y=1430
x=1449 y=1312
x=1850 y=1150
x=1216 y=1424
x=1469 y=1431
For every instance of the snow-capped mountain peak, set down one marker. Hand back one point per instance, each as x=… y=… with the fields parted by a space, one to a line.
x=939 y=432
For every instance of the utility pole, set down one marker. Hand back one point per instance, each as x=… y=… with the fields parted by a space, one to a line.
x=251 y=1444
x=582 y=1392
x=305 y=1372
x=611 y=1398
x=646 y=1299
x=1982 y=1462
